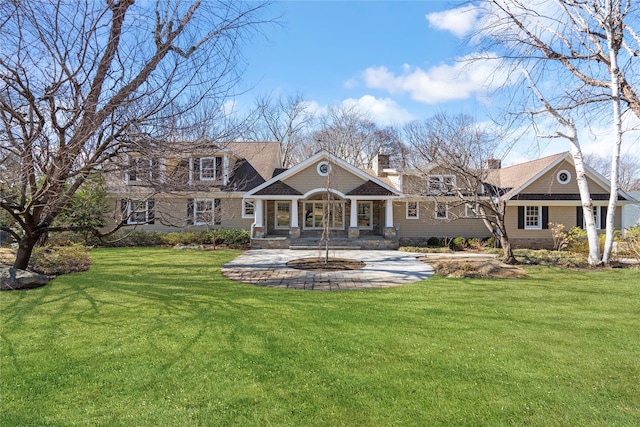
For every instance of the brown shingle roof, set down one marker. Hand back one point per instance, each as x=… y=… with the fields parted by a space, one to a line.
x=370 y=188
x=263 y=156
x=278 y=188
x=384 y=179
x=515 y=176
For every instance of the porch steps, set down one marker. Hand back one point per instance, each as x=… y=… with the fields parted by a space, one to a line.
x=316 y=244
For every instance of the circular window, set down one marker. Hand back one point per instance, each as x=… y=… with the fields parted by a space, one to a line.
x=564 y=177
x=323 y=168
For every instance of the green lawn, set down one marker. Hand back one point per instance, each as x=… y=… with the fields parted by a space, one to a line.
x=157 y=337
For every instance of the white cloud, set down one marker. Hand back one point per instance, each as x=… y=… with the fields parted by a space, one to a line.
x=382 y=111
x=460 y=21
x=441 y=83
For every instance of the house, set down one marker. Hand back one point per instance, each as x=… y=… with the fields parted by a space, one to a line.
x=242 y=185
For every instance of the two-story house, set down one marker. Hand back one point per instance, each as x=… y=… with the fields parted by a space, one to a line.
x=242 y=185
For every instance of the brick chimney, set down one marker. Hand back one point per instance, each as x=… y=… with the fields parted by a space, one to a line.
x=493 y=164
x=380 y=162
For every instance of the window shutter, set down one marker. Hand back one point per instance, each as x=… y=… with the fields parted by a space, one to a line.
x=579 y=217
x=151 y=216
x=218 y=167
x=520 y=217
x=196 y=169
x=545 y=217
x=124 y=210
x=217 y=212
x=190 y=211
x=603 y=217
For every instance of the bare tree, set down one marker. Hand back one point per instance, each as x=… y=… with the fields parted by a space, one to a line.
x=458 y=146
x=593 y=45
x=286 y=120
x=629 y=176
x=83 y=82
x=346 y=132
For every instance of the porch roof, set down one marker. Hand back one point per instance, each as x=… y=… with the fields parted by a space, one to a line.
x=370 y=188
x=278 y=188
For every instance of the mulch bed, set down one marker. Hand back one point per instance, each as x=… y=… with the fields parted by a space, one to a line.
x=322 y=264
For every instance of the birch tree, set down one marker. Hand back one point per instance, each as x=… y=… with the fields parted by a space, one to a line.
x=590 y=48
x=83 y=82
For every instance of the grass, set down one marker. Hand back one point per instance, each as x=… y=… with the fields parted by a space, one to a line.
x=157 y=337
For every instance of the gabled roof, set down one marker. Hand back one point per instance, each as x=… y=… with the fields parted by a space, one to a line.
x=244 y=177
x=321 y=155
x=264 y=156
x=370 y=188
x=278 y=188
x=515 y=179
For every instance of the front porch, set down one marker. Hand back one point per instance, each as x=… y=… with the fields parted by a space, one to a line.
x=304 y=224
x=317 y=243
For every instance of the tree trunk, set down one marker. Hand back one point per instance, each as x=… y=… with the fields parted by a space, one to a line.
x=507 y=251
x=23 y=255
x=615 y=154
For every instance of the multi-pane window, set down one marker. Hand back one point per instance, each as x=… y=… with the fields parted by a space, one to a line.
x=143 y=170
x=441 y=184
x=206 y=212
x=138 y=211
x=210 y=168
x=283 y=214
x=315 y=213
x=442 y=211
x=471 y=210
x=365 y=215
x=412 y=210
x=248 y=208
x=532 y=218
x=596 y=216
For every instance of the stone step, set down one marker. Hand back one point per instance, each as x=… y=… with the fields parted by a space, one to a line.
x=318 y=247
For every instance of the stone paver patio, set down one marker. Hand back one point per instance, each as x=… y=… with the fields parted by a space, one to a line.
x=384 y=268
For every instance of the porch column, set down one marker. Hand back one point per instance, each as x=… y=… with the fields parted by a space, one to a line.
x=257 y=227
x=389 y=229
x=388 y=218
x=294 y=228
x=354 y=233
x=259 y=216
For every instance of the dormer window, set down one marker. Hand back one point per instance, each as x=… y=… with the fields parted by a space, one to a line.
x=441 y=184
x=142 y=170
x=210 y=168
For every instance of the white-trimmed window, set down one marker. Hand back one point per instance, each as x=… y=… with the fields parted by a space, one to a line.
x=138 y=211
x=413 y=210
x=248 y=208
x=471 y=210
x=532 y=218
x=596 y=216
x=210 y=168
x=441 y=184
x=441 y=211
x=142 y=170
x=283 y=215
x=205 y=212
x=365 y=215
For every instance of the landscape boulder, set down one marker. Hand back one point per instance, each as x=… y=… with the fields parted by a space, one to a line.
x=13 y=279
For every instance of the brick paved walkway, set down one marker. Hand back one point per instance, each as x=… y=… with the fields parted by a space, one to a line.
x=267 y=267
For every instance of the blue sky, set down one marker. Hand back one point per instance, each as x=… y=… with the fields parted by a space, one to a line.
x=329 y=51
x=398 y=60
